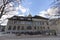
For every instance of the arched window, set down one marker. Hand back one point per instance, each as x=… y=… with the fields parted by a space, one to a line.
x=29 y=27
x=14 y=28
x=9 y=28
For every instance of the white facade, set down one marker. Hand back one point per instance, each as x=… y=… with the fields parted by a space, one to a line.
x=26 y=24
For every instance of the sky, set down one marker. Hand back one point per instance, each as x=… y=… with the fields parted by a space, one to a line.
x=35 y=6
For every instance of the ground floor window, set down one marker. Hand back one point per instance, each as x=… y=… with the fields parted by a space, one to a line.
x=22 y=28
x=9 y=28
x=18 y=28
x=14 y=28
x=3 y=29
x=29 y=27
x=48 y=28
x=43 y=27
x=34 y=27
x=38 y=28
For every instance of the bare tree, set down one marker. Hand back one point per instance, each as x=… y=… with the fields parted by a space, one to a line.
x=3 y=6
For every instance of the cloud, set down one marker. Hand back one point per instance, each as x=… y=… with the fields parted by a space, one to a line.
x=10 y=13
x=29 y=3
x=4 y=22
x=27 y=12
x=51 y=12
x=21 y=8
x=4 y=19
x=54 y=12
x=43 y=13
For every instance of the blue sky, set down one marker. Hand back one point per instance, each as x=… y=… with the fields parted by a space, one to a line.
x=32 y=6
x=35 y=6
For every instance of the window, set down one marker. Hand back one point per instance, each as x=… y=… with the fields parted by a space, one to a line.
x=22 y=22
x=29 y=27
x=9 y=28
x=29 y=22
x=36 y=23
x=14 y=28
x=15 y=21
x=41 y=23
x=48 y=27
x=22 y=28
x=47 y=23
x=34 y=27
x=3 y=29
x=43 y=27
x=38 y=28
x=18 y=27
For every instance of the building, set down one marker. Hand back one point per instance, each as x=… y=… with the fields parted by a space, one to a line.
x=2 y=28
x=27 y=24
x=55 y=24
